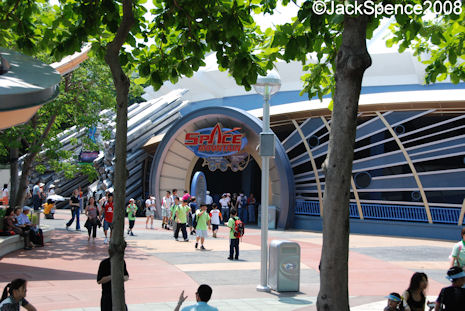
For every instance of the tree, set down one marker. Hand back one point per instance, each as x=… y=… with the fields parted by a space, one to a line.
x=338 y=43
x=83 y=94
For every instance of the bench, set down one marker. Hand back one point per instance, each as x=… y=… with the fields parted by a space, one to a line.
x=12 y=243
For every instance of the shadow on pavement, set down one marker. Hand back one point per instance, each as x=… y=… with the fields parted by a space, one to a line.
x=72 y=246
x=12 y=271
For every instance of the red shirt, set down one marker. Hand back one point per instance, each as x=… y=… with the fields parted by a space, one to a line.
x=109 y=212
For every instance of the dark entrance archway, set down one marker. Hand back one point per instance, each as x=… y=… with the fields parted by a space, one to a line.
x=173 y=163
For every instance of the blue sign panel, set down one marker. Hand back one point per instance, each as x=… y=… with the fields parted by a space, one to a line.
x=215 y=141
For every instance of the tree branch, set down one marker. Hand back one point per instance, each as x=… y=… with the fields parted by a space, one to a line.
x=12 y=10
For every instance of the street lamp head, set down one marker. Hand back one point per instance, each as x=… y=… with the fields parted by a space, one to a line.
x=268 y=85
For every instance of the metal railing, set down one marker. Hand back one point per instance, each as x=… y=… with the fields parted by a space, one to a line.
x=387 y=212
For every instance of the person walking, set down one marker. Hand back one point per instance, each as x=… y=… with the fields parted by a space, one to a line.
x=182 y=211
x=173 y=210
x=208 y=200
x=174 y=194
x=186 y=196
x=193 y=208
x=37 y=195
x=458 y=252
x=241 y=207
x=131 y=210
x=104 y=278
x=166 y=204
x=74 y=203
x=92 y=214
x=14 y=296
x=233 y=238
x=203 y=220
x=108 y=217
x=224 y=202
x=251 y=208
x=216 y=218
x=150 y=211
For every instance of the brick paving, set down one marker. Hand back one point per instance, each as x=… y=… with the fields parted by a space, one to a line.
x=62 y=275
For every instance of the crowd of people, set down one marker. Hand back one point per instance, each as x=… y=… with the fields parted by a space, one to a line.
x=451 y=298
x=181 y=212
x=17 y=221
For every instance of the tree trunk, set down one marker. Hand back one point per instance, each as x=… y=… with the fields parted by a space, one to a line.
x=351 y=62
x=121 y=82
x=23 y=181
x=14 y=155
x=29 y=160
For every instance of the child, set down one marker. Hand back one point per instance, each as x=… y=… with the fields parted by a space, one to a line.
x=181 y=218
x=394 y=301
x=203 y=220
x=173 y=210
x=216 y=218
x=49 y=209
x=131 y=210
x=233 y=240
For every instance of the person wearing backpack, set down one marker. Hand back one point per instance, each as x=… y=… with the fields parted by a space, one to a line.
x=236 y=232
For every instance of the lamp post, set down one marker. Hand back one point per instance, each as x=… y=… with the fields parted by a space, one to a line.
x=266 y=86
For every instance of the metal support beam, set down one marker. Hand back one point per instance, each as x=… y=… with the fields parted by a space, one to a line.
x=312 y=160
x=462 y=213
x=410 y=163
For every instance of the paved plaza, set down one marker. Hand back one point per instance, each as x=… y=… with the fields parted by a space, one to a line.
x=62 y=275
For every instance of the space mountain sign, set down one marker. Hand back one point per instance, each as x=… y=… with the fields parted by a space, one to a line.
x=215 y=141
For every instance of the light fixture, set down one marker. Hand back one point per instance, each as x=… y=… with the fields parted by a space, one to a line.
x=266 y=86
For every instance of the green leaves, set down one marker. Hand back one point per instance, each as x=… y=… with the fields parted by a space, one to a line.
x=438 y=42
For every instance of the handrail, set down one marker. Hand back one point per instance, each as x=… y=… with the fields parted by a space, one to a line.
x=386 y=212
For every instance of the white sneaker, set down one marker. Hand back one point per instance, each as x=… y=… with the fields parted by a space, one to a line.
x=105 y=241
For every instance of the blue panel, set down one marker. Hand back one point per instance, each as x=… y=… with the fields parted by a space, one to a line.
x=387 y=160
x=309 y=127
x=459 y=140
x=428 y=180
x=439 y=154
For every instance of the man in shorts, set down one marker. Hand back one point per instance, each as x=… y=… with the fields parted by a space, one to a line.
x=166 y=204
x=149 y=211
x=203 y=219
x=108 y=217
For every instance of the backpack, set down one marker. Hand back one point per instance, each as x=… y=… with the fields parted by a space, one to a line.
x=238 y=228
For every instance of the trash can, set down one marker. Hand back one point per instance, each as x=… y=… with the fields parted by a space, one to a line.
x=284 y=269
x=271 y=217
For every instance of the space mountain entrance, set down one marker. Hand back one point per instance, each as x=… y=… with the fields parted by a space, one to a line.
x=222 y=140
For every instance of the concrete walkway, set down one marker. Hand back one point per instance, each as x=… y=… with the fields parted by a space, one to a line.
x=62 y=275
